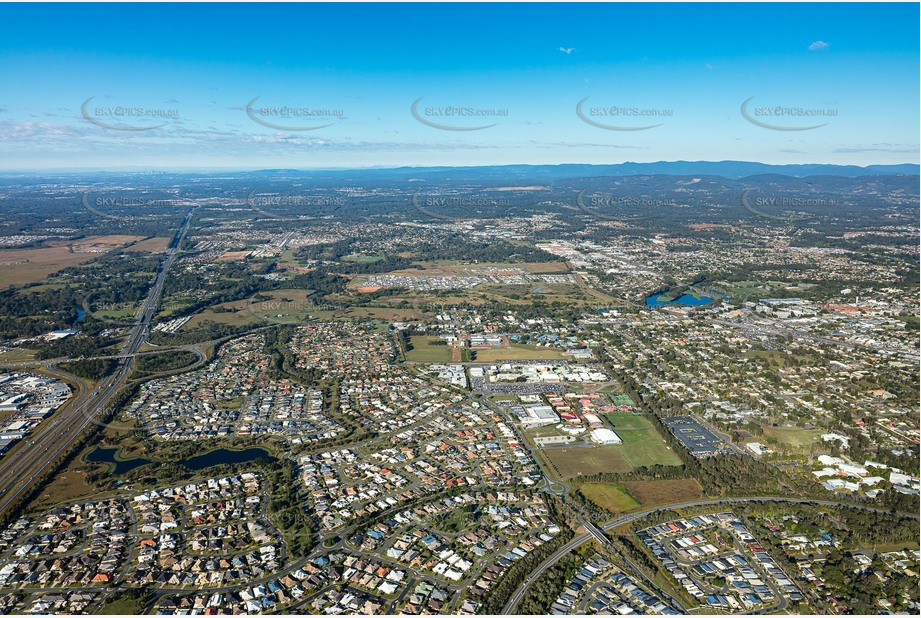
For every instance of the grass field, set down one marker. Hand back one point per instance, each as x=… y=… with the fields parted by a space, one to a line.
x=21 y=266
x=67 y=485
x=17 y=354
x=518 y=352
x=278 y=307
x=124 y=605
x=654 y=493
x=613 y=498
x=578 y=461
x=423 y=352
x=643 y=446
x=157 y=244
x=793 y=438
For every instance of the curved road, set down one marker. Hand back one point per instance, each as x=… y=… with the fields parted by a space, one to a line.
x=19 y=472
x=625 y=519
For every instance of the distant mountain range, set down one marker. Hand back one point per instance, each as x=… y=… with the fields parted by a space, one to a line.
x=519 y=174
x=726 y=169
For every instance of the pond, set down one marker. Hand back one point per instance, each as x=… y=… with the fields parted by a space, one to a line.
x=212 y=458
x=688 y=299
x=225 y=456
x=119 y=466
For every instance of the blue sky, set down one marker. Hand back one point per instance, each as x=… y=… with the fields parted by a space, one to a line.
x=334 y=85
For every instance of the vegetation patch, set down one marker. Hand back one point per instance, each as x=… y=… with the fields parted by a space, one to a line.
x=584 y=461
x=615 y=499
x=654 y=493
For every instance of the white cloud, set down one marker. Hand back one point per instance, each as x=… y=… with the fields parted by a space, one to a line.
x=567 y=50
x=818 y=46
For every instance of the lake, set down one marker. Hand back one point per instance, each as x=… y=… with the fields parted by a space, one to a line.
x=120 y=466
x=213 y=458
x=686 y=300
x=225 y=456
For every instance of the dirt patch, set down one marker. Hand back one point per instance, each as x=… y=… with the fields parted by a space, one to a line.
x=654 y=493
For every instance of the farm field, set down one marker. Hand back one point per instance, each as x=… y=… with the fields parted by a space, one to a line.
x=21 y=266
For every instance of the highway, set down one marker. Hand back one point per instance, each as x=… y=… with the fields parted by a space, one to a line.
x=20 y=469
x=625 y=519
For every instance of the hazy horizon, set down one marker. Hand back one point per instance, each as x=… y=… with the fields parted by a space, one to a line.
x=443 y=85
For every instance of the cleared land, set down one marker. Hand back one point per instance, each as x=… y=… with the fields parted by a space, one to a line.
x=287 y=306
x=424 y=352
x=792 y=438
x=643 y=446
x=21 y=266
x=157 y=244
x=572 y=462
x=654 y=493
x=69 y=485
x=517 y=352
x=613 y=498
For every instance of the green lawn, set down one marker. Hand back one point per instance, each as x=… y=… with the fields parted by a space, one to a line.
x=613 y=498
x=577 y=461
x=793 y=438
x=643 y=446
x=518 y=352
x=423 y=352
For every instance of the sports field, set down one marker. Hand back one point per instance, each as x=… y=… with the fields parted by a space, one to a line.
x=518 y=352
x=572 y=462
x=643 y=446
x=793 y=438
x=424 y=352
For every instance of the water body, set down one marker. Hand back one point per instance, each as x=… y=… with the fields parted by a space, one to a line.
x=120 y=466
x=80 y=314
x=213 y=458
x=226 y=456
x=685 y=300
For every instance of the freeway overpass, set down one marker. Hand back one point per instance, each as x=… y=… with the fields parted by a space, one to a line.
x=21 y=469
x=625 y=519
